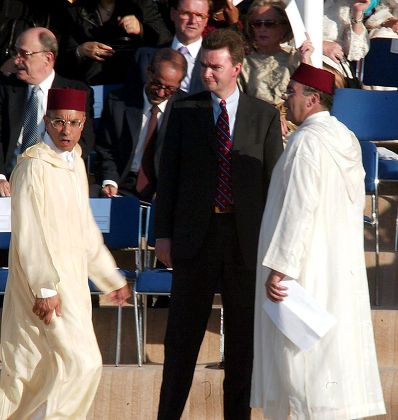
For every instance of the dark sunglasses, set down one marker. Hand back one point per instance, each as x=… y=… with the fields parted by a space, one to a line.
x=267 y=23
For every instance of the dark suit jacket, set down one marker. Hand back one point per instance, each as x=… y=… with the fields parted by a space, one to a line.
x=13 y=96
x=119 y=131
x=144 y=56
x=188 y=172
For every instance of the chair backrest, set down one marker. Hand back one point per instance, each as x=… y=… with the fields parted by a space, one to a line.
x=150 y=231
x=370 y=114
x=380 y=65
x=370 y=164
x=125 y=223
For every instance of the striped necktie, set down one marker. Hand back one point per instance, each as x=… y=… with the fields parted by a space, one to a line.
x=30 y=127
x=223 y=197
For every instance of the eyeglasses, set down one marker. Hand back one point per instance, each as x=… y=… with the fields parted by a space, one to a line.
x=59 y=123
x=19 y=52
x=169 y=90
x=267 y=23
x=186 y=15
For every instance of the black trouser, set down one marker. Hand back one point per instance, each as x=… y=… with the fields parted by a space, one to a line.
x=218 y=266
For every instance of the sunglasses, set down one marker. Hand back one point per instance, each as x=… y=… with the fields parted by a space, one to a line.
x=268 y=23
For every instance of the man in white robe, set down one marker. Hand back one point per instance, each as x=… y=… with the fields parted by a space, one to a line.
x=51 y=363
x=312 y=232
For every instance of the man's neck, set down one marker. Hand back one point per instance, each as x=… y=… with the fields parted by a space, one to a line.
x=186 y=41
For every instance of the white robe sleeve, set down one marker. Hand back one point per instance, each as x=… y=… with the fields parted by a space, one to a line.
x=30 y=235
x=287 y=249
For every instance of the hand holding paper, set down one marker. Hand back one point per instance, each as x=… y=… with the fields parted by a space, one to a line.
x=299 y=317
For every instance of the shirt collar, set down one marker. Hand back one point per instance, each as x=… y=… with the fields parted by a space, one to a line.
x=64 y=154
x=193 y=48
x=148 y=105
x=232 y=99
x=46 y=84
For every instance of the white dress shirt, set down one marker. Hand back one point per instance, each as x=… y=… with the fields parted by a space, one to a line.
x=232 y=106
x=193 y=49
x=139 y=150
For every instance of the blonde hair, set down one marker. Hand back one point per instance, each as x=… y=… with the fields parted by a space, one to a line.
x=278 y=6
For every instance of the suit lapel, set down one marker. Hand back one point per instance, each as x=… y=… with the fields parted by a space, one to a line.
x=243 y=123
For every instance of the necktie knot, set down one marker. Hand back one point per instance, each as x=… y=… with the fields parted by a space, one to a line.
x=155 y=110
x=183 y=50
x=222 y=104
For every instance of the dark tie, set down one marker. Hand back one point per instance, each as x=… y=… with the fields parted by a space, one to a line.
x=146 y=177
x=223 y=197
x=30 y=128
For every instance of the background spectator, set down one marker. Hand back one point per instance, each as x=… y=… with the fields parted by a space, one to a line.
x=103 y=36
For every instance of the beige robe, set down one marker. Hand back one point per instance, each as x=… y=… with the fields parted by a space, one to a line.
x=53 y=370
x=312 y=231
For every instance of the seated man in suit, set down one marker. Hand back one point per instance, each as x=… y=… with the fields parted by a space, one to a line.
x=190 y=19
x=23 y=99
x=132 y=128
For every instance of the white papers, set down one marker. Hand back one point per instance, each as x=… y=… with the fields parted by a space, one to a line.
x=101 y=208
x=5 y=214
x=299 y=317
x=394 y=46
x=296 y=22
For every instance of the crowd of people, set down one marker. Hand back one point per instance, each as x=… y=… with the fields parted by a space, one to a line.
x=226 y=123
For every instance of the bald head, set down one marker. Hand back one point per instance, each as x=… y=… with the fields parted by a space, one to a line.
x=35 y=53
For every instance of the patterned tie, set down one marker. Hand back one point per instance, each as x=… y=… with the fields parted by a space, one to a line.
x=146 y=178
x=30 y=128
x=224 y=181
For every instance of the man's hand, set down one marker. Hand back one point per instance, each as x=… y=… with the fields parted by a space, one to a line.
x=130 y=24
x=5 y=190
x=333 y=50
x=119 y=296
x=275 y=291
x=231 y=12
x=163 y=251
x=44 y=308
x=109 y=191
x=95 y=50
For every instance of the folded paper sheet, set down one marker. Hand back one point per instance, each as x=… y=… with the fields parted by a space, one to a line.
x=299 y=317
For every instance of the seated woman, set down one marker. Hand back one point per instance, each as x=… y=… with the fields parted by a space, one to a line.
x=344 y=35
x=103 y=35
x=267 y=68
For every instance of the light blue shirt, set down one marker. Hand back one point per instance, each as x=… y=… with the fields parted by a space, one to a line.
x=232 y=106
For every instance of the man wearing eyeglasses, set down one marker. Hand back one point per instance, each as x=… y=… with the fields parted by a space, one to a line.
x=23 y=99
x=51 y=361
x=132 y=128
x=190 y=18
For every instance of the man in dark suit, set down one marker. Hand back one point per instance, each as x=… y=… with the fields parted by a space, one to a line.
x=219 y=152
x=190 y=19
x=122 y=145
x=34 y=54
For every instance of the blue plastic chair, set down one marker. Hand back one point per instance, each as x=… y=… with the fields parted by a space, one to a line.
x=372 y=116
x=125 y=233
x=380 y=65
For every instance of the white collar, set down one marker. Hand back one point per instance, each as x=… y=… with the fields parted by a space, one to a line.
x=233 y=98
x=193 y=47
x=148 y=105
x=46 y=84
x=64 y=154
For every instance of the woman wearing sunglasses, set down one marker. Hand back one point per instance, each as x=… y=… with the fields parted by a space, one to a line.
x=267 y=68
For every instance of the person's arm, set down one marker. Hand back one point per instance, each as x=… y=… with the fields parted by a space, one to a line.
x=106 y=160
x=357 y=15
x=163 y=251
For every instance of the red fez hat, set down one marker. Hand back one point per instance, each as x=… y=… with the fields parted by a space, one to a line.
x=319 y=79
x=66 y=98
